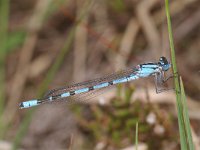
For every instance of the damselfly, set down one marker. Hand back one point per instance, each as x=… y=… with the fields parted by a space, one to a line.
x=156 y=69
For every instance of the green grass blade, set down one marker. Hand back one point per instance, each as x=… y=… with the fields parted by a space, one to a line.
x=136 y=137
x=118 y=5
x=14 y=40
x=186 y=117
x=4 y=15
x=183 y=119
x=43 y=88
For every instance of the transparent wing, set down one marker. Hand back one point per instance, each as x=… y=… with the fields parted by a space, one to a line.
x=90 y=83
x=82 y=98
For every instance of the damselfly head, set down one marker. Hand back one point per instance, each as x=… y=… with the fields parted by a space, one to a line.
x=164 y=63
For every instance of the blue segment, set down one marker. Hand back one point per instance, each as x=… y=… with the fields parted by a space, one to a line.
x=132 y=77
x=122 y=80
x=65 y=94
x=81 y=90
x=146 y=72
x=101 y=85
x=28 y=104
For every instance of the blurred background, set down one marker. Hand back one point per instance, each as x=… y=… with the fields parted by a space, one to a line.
x=47 y=44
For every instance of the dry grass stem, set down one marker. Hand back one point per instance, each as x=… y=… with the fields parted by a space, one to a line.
x=148 y=26
x=20 y=77
x=126 y=44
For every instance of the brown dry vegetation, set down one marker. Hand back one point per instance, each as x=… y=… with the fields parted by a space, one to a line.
x=87 y=39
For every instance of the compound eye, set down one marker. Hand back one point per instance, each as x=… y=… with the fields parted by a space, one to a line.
x=163 y=60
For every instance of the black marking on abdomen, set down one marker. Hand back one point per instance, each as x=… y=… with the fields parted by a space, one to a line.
x=127 y=77
x=39 y=102
x=110 y=83
x=91 y=88
x=55 y=97
x=72 y=93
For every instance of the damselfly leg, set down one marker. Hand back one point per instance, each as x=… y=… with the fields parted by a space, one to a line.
x=160 y=82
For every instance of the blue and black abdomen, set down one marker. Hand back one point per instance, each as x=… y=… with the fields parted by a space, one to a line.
x=140 y=71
